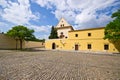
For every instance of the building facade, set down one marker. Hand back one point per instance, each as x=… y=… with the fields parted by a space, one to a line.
x=83 y=40
x=63 y=28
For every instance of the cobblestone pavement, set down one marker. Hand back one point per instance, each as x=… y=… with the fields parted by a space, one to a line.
x=57 y=65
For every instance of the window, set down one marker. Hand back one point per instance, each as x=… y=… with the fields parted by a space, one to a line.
x=76 y=35
x=106 y=46
x=63 y=25
x=89 y=34
x=89 y=46
x=61 y=33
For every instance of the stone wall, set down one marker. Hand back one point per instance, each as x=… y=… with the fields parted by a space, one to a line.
x=7 y=42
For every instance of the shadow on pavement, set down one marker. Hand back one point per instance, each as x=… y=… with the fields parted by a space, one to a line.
x=34 y=49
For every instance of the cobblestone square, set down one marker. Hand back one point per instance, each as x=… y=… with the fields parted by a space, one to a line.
x=58 y=65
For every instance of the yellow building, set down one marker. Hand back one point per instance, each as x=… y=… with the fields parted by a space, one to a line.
x=83 y=40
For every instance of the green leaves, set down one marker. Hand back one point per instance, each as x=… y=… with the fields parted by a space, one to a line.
x=53 y=34
x=116 y=14
x=112 y=30
x=21 y=33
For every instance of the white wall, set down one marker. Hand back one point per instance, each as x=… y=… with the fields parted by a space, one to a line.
x=65 y=31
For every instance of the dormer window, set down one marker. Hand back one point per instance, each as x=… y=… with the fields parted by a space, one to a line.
x=62 y=25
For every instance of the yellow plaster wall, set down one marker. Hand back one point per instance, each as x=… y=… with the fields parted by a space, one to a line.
x=96 y=40
x=83 y=34
x=33 y=44
x=97 y=45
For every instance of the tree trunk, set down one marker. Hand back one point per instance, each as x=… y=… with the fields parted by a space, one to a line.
x=16 y=44
x=21 y=44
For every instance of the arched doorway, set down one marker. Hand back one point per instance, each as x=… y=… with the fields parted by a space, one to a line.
x=53 y=45
x=76 y=47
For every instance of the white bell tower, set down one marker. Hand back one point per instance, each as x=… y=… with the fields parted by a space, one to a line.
x=62 y=28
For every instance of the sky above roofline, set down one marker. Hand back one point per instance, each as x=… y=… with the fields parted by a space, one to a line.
x=40 y=15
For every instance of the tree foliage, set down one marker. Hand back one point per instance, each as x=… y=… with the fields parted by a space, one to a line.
x=36 y=40
x=53 y=34
x=21 y=33
x=112 y=30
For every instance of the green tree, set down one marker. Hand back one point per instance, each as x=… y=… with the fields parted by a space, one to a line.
x=112 y=30
x=53 y=34
x=21 y=33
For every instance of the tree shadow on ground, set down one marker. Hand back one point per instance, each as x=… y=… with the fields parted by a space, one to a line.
x=33 y=49
x=117 y=45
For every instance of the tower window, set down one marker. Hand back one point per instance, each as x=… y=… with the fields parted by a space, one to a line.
x=89 y=34
x=89 y=46
x=61 y=33
x=106 y=46
x=76 y=35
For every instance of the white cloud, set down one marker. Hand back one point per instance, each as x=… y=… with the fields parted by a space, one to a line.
x=18 y=12
x=44 y=29
x=3 y=3
x=2 y=24
x=80 y=12
x=0 y=11
x=4 y=27
x=103 y=19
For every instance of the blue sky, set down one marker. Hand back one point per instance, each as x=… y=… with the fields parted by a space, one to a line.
x=40 y=15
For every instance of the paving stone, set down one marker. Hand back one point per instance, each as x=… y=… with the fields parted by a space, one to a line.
x=58 y=65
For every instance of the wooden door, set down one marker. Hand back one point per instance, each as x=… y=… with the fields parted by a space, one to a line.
x=53 y=46
x=76 y=47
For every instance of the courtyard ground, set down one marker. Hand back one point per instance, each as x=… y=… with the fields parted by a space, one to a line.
x=58 y=65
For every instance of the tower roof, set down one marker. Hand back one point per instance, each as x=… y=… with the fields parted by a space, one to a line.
x=62 y=23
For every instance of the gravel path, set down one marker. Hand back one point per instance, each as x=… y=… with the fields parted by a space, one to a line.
x=58 y=65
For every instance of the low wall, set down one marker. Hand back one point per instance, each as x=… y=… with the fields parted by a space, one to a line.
x=32 y=44
x=7 y=42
